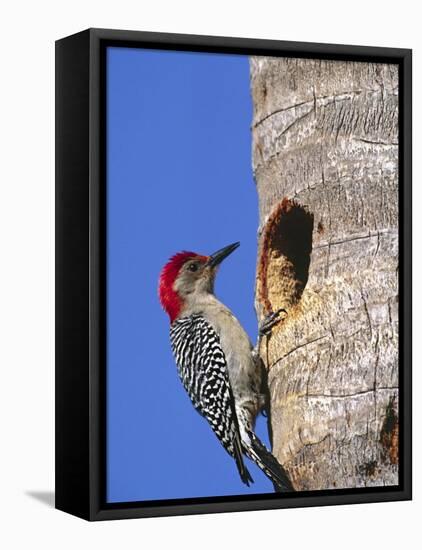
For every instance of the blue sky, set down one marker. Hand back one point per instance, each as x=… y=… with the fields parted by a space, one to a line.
x=178 y=177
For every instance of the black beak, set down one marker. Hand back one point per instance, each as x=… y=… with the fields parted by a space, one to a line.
x=219 y=256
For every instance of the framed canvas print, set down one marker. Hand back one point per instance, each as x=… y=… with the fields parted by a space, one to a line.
x=233 y=281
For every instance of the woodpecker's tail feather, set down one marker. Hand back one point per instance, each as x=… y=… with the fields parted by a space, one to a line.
x=245 y=475
x=269 y=464
x=243 y=471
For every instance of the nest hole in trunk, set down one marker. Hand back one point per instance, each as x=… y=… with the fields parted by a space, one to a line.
x=285 y=255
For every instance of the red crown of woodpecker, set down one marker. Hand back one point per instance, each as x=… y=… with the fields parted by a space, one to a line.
x=169 y=298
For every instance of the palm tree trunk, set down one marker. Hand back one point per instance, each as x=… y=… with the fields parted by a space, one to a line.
x=325 y=160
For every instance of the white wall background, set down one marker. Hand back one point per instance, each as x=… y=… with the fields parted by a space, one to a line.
x=27 y=272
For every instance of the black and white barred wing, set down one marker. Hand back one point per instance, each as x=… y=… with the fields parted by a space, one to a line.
x=203 y=370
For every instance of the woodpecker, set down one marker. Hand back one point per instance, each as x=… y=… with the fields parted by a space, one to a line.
x=216 y=362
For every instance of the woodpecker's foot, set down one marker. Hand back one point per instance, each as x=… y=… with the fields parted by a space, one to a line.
x=270 y=321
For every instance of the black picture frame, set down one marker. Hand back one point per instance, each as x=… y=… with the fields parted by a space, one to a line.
x=80 y=273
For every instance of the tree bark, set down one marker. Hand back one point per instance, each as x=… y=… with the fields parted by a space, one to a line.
x=325 y=160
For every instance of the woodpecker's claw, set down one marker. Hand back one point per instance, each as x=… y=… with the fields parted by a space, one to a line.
x=270 y=321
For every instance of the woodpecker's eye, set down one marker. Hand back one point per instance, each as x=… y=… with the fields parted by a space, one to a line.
x=193 y=267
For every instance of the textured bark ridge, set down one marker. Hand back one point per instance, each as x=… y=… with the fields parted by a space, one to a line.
x=325 y=160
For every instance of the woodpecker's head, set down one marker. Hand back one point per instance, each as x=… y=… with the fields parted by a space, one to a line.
x=186 y=276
